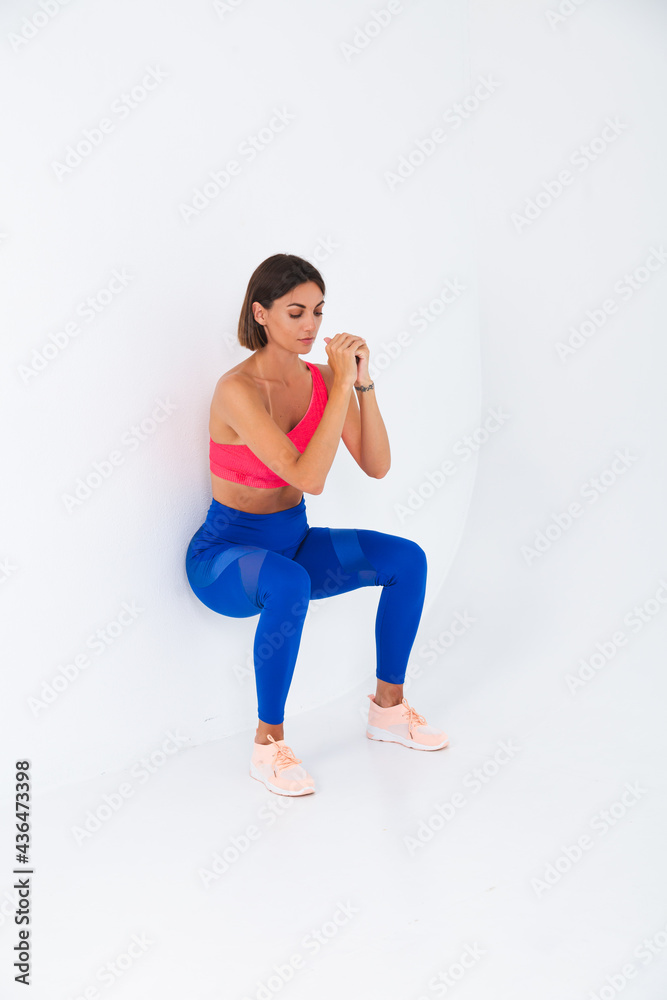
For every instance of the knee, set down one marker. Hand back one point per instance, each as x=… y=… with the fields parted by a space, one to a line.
x=297 y=591
x=419 y=556
x=290 y=587
x=298 y=582
x=413 y=558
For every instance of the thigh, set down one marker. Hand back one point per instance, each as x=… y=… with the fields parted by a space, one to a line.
x=242 y=580
x=342 y=559
x=224 y=578
x=335 y=561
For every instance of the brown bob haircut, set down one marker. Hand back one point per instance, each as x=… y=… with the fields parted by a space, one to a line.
x=275 y=277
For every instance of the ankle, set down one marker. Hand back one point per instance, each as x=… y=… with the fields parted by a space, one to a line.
x=386 y=702
x=263 y=738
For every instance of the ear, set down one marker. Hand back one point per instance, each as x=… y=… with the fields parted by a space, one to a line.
x=258 y=313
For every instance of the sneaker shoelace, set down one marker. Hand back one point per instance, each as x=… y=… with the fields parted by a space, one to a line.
x=284 y=755
x=413 y=717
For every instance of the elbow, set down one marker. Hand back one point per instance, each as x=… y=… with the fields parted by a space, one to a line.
x=313 y=488
x=306 y=485
x=381 y=474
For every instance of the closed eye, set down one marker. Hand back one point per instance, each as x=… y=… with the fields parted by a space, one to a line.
x=299 y=315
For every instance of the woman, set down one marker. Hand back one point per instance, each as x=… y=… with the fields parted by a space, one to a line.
x=275 y=425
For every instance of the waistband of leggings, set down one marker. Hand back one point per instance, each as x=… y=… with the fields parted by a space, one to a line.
x=220 y=517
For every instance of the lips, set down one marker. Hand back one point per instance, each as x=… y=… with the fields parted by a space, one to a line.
x=306 y=340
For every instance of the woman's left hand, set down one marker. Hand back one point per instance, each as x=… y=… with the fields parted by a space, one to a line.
x=362 y=355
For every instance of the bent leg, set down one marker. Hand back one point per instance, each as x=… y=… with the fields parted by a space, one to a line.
x=342 y=559
x=240 y=581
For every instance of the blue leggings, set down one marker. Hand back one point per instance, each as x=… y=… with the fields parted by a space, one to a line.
x=241 y=564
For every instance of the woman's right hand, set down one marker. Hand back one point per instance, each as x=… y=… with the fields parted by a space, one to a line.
x=342 y=360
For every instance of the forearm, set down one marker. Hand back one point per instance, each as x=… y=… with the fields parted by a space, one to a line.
x=375 y=452
x=314 y=464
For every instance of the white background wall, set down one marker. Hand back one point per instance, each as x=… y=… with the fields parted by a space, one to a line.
x=166 y=330
x=322 y=188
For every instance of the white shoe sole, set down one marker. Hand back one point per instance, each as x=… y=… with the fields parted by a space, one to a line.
x=374 y=733
x=256 y=773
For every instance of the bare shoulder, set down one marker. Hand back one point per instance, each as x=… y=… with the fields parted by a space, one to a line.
x=234 y=383
x=235 y=391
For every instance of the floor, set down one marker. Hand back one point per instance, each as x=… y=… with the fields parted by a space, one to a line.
x=525 y=859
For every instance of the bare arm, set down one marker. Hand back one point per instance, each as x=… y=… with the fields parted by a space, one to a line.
x=365 y=435
x=318 y=456
x=240 y=405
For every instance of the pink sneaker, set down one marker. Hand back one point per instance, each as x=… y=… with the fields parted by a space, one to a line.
x=275 y=765
x=402 y=724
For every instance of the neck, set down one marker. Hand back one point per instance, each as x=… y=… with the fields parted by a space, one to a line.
x=277 y=364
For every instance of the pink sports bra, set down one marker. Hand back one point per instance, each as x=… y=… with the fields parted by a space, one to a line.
x=238 y=464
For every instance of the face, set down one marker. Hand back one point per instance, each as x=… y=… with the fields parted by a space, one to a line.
x=294 y=317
